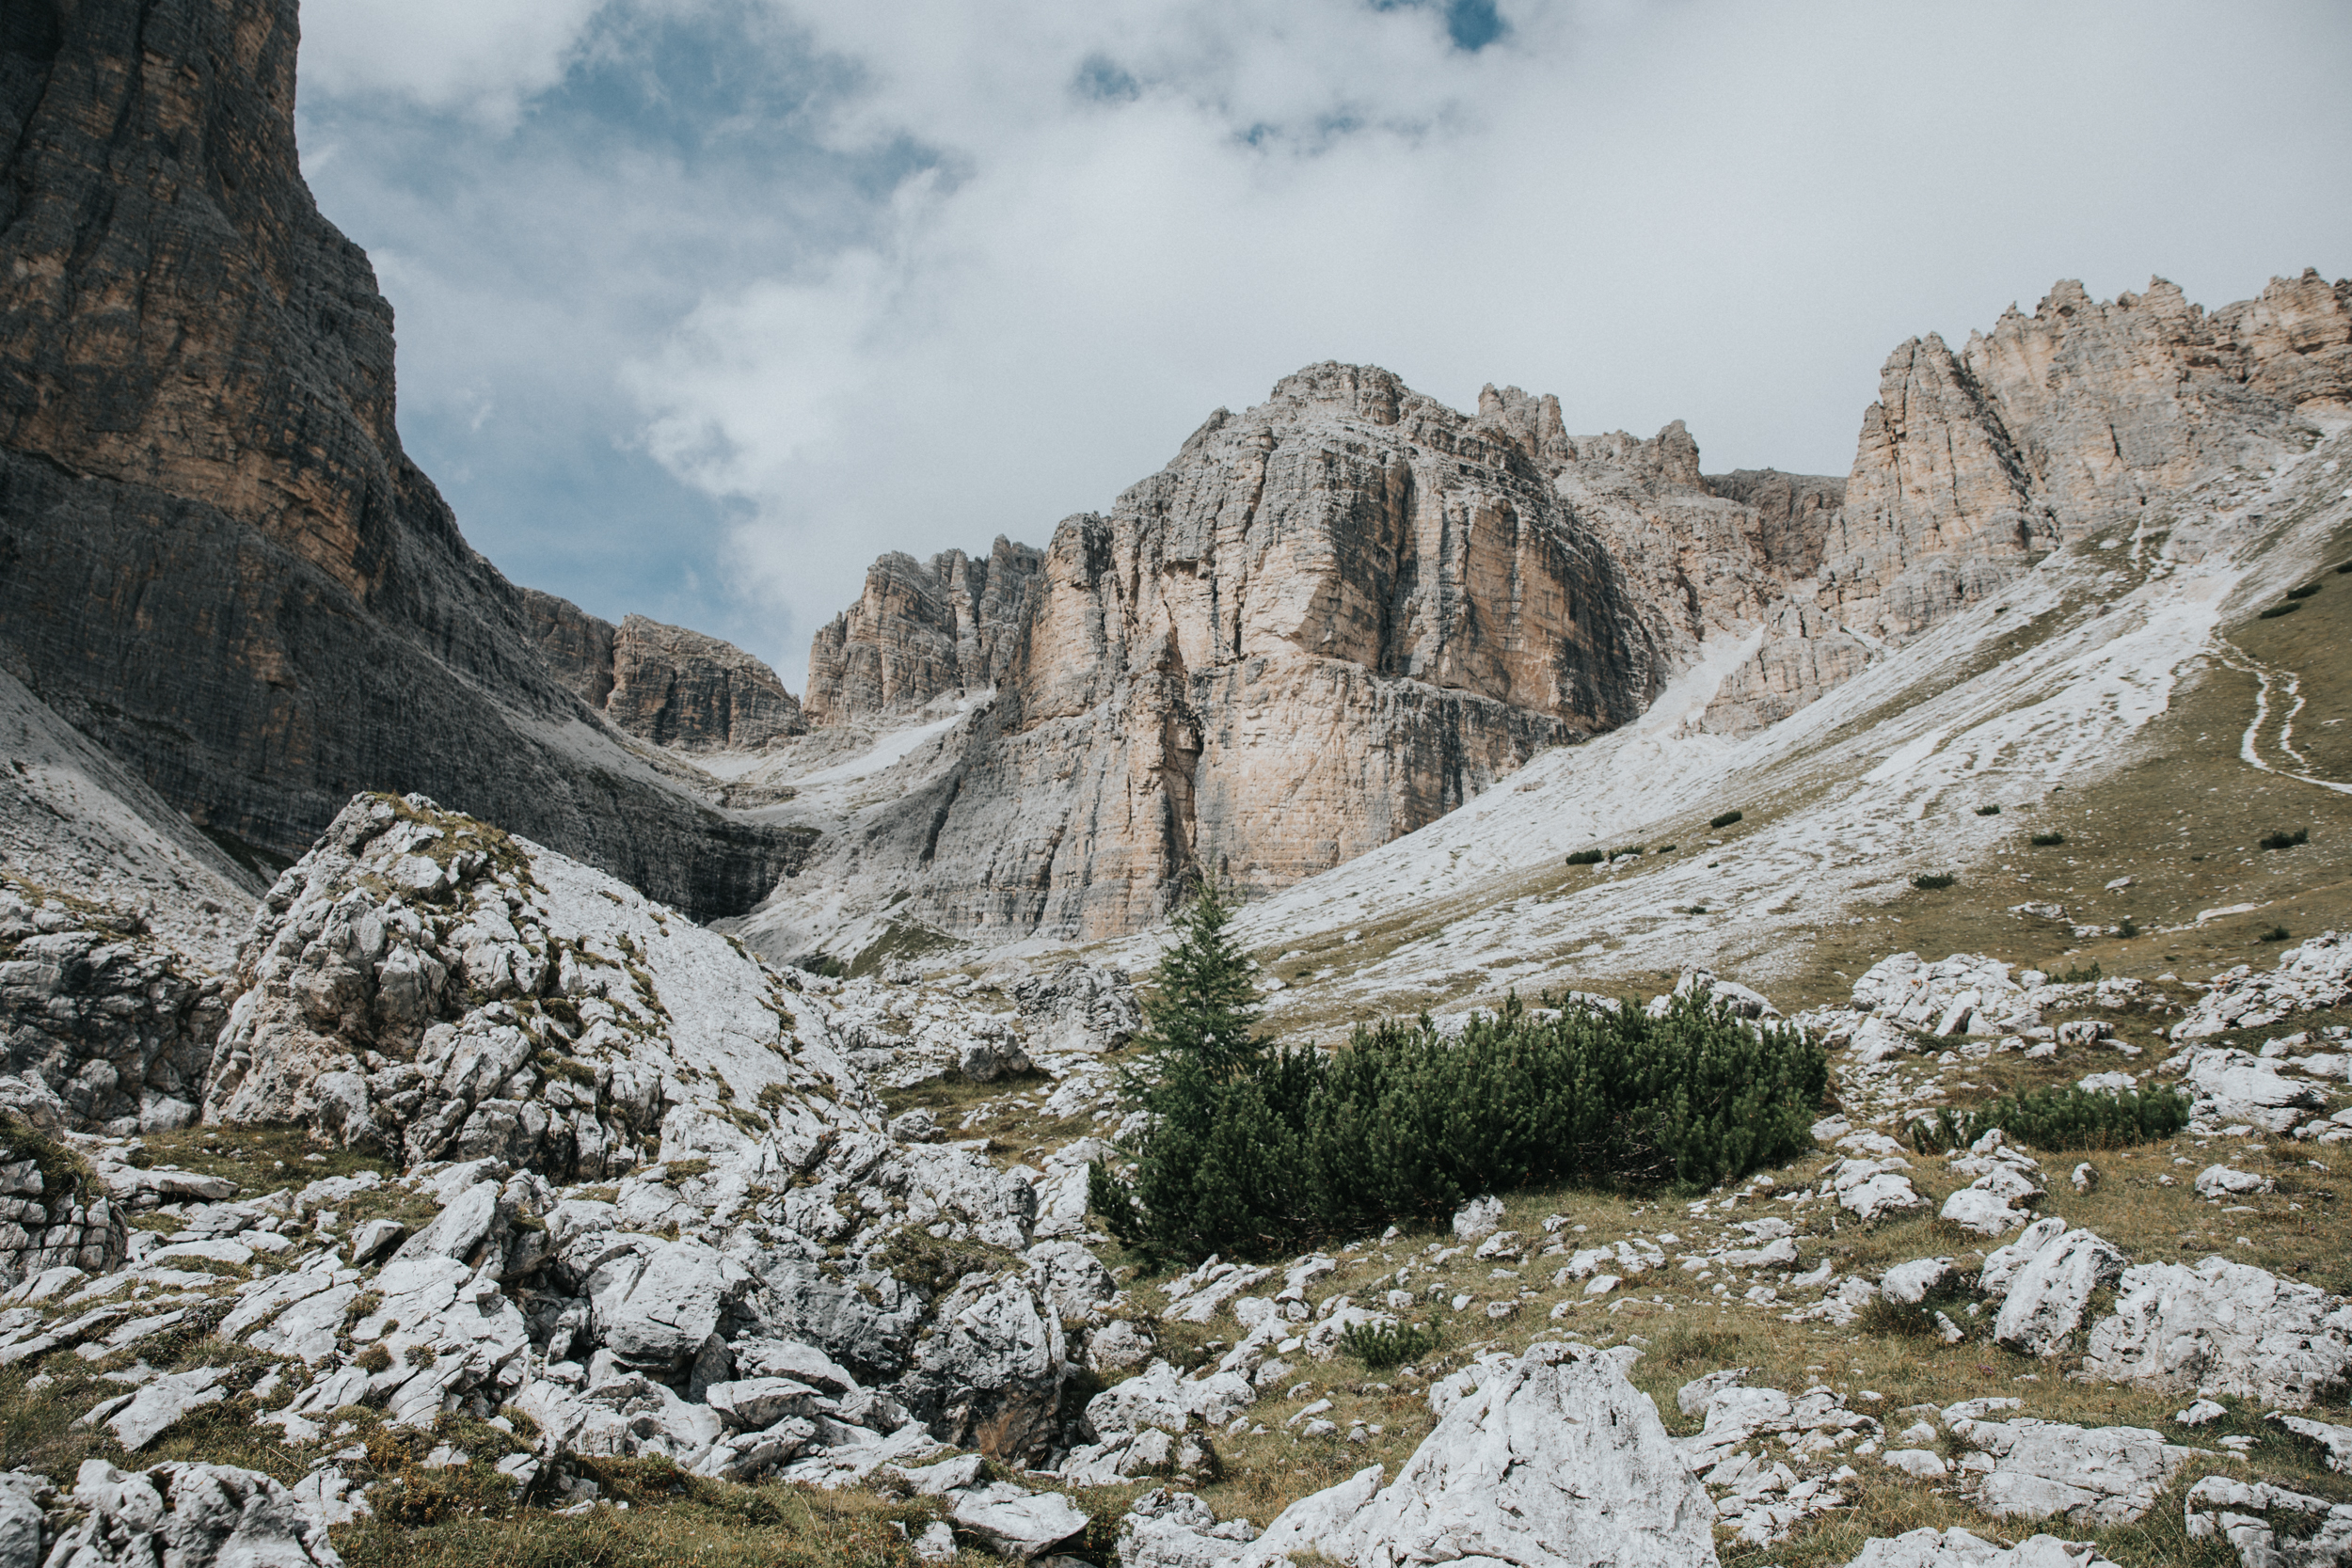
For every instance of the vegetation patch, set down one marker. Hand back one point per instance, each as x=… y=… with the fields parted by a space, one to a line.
x=2285 y=841
x=1989 y=811
x=1725 y=820
x=2303 y=593
x=1255 y=1152
x=1381 y=1345
x=2278 y=610
x=1585 y=857
x=2046 y=841
x=1934 y=881
x=2058 y=1118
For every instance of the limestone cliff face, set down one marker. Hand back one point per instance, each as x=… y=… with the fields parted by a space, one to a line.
x=2062 y=424
x=215 y=558
x=1329 y=619
x=922 y=629
x=665 y=684
x=1333 y=618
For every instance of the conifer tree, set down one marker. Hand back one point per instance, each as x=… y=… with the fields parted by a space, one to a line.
x=1206 y=1011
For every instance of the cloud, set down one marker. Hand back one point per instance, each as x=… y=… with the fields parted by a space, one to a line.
x=480 y=59
x=826 y=280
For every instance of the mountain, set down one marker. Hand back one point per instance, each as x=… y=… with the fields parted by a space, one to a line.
x=1336 y=618
x=216 y=559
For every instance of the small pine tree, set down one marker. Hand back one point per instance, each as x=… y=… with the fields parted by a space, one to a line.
x=1206 y=1009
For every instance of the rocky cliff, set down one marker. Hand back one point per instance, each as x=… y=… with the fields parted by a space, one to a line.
x=214 y=556
x=665 y=684
x=2078 y=419
x=1335 y=617
x=922 y=631
x=1329 y=619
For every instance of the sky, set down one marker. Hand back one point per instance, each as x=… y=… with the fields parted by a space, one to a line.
x=704 y=304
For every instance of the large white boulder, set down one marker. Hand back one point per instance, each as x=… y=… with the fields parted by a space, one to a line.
x=1965 y=993
x=1556 y=1461
x=1956 y=1549
x=2270 y=1526
x=2090 y=1475
x=2046 y=1299
x=520 y=1005
x=189 y=1516
x=2229 y=1088
x=2222 y=1328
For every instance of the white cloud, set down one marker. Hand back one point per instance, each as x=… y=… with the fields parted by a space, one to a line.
x=1026 y=245
x=482 y=58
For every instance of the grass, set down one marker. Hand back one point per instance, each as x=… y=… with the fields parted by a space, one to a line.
x=256 y=1158
x=676 y=1521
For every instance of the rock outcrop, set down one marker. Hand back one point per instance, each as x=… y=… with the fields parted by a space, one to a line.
x=215 y=558
x=105 y=1028
x=923 y=629
x=424 y=984
x=2083 y=417
x=664 y=684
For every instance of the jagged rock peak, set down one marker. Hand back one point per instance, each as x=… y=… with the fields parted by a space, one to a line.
x=921 y=630
x=662 y=683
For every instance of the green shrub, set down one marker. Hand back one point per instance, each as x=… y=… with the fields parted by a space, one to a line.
x=2276 y=933
x=1931 y=884
x=2344 y=570
x=1725 y=820
x=2303 y=593
x=2128 y=929
x=1267 y=1153
x=2045 y=841
x=1625 y=854
x=2058 y=1118
x=1382 y=1345
x=2286 y=841
x=1665 y=849
x=2075 y=974
x=2278 y=610
x=1585 y=857
x=1989 y=811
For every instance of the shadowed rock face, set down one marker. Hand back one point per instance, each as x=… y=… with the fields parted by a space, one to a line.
x=214 y=556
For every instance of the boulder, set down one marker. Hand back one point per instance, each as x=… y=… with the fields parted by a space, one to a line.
x=1478 y=1218
x=654 y=1307
x=2314 y=973
x=1556 y=1460
x=1956 y=1549
x=1982 y=1213
x=1078 y=1006
x=1873 y=1189
x=1176 y=1529
x=2045 y=1300
x=189 y=1516
x=2222 y=1328
x=2224 y=1181
x=1909 y=1284
x=147 y=1414
x=2269 y=1526
x=2090 y=1475
x=2001 y=1265
x=2334 y=1442
x=988 y=1373
x=1014 y=1522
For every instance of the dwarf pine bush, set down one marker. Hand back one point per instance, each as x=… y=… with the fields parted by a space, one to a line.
x=1258 y=1152
x=2060 y=1117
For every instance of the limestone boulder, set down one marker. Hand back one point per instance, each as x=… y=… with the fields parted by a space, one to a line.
x=2045 y=1300
x=1555 y=1460
x=189 y=1516
x=2222 y=1328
